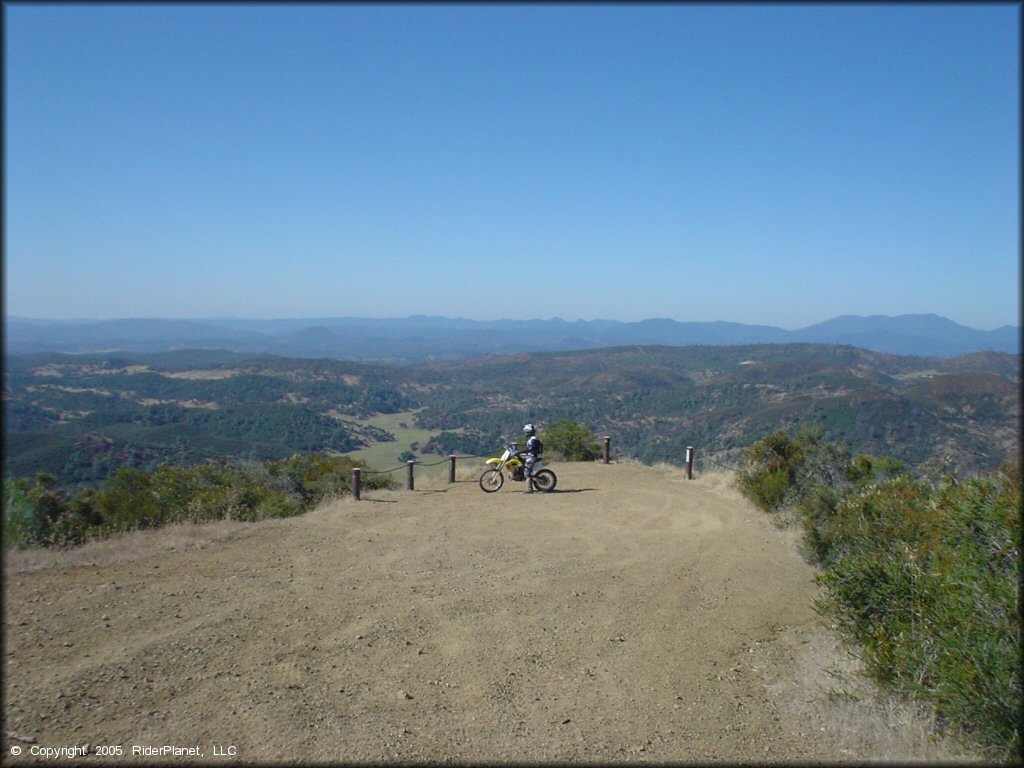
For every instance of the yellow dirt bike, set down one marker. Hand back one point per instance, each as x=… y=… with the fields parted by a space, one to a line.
x=492 y=479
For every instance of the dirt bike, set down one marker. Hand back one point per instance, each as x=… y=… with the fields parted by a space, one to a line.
x=492 y=479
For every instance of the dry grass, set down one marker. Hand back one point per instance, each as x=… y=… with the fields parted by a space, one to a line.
x=828 y=685
x=137 y=545
x=134 y=545
x=215 y=374
x=828 y=688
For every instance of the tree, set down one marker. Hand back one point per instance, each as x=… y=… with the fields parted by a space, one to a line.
x=126 y=501
x=571 y=441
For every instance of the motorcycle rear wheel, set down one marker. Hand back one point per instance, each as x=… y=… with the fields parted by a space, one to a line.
x=544 y=480
x=491 y=480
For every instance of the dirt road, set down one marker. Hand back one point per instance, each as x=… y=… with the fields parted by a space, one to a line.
x=632 y=615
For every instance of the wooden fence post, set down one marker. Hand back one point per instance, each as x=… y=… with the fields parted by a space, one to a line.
x=689 y=462
x=409 y=485
x=607 y=448
x=355 y=482
x=451 y=468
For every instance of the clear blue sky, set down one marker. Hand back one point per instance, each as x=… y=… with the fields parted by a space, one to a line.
x=753 y=163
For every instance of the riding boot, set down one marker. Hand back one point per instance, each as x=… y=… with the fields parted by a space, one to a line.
x=529 y=485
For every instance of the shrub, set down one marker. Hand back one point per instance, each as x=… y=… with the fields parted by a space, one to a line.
x=570 y=441
x=126 y=501
x=925 y=579
x=921 y=574
x=21 y=525
x=36 y=515
x=769 y=468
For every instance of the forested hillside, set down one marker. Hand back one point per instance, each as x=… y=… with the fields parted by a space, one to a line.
x=655 y=401
x=80 y=417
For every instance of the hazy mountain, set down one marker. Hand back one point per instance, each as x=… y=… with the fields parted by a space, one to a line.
x=419 y=338
x=130 y=334
x=930 y=335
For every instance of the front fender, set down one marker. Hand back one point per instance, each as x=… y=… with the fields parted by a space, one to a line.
x=493 y=461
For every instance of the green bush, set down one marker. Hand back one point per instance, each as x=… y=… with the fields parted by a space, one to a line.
x=21 y=525
x=312 y=477
x=768 y=470
x=925 y=579
x=570 y=441
x=126 y=501
x=36 y=514
x=921 y=575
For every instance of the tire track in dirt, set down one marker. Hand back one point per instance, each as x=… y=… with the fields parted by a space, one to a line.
x=626 y=616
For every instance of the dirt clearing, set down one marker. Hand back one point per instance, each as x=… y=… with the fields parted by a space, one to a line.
x=631 y=615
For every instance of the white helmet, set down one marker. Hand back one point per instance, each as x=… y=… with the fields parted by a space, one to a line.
x=528 y=429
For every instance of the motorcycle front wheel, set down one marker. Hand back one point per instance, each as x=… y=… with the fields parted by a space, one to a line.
x=544 y=480
x=491 y=480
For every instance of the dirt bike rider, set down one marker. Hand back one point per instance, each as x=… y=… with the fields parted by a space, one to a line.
x=530 y=454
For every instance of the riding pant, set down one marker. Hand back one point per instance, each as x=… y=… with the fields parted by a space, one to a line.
x=528 y=461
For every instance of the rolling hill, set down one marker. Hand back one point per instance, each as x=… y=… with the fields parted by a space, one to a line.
x=82 y=416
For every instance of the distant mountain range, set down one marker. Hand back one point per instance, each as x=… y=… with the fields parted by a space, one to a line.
x=420 y=338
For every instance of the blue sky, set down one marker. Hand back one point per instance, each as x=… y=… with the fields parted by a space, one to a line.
x=770 y=164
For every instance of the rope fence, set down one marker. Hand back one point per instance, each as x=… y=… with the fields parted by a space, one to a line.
x=410 y=480
x=704 y=460
x=423 y=464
